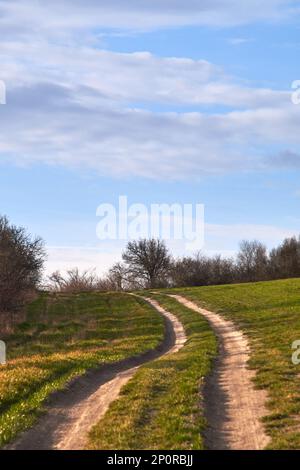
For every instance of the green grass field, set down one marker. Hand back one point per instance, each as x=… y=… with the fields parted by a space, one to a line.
x=269 y=314
x=161 y=407
x=63 y=337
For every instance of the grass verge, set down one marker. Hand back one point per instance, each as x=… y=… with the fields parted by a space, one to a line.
x=62 y=338
x=160 y=408
x=269 y=314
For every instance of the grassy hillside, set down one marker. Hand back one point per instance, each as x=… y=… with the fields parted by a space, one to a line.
x=61 y=338
x=269 y=313
x=161 y=408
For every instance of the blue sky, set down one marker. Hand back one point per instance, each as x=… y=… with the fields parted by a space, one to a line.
x=162 y=102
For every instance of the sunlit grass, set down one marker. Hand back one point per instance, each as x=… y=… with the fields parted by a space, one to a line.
x=160 y=408
x=62 y=338
x=269 y=313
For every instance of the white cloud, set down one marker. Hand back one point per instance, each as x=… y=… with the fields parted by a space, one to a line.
x=132 y=77
x=71 y=15
x=61 y=126
x=220 y=237
x=239 y=41
x=63 y=258
x=74 y=105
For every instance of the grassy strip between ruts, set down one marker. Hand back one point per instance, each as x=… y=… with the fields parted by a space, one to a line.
x=160 y=408
x=62 y=338
x=269 y=314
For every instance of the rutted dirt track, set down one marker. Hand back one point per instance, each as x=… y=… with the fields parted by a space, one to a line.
x=234 y=408
x=70 y=414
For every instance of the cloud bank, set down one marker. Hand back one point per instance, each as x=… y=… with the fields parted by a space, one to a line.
x=70 y=103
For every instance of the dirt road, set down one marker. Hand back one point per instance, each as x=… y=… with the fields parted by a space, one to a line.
x=234 y=408
x=72 y=413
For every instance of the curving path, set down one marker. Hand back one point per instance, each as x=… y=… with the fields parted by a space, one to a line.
x=234 y=408
x=71 y=413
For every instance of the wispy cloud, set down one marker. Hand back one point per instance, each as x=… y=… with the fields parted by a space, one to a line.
x=72 y=104
x=64 y=129
x=75 y=15
x=239 y=41
x=286 y=159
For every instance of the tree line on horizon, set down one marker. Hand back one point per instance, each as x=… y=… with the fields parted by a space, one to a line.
x=146 y=264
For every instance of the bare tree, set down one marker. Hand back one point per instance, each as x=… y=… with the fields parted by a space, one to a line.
x=222 y=270
x=285 y=260
x=191 y=271
x=252 y=261
x=21 y=263
x=200 y=270
x=118 y=277
x=74 y=281
x=148 y=262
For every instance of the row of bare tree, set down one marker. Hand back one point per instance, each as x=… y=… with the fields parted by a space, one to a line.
x=146 y=263
x=149 y=264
